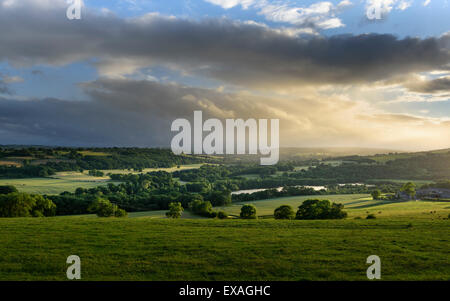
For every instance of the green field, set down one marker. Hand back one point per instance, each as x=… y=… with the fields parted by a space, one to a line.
x=168 y=169
x=52 y=185
x=211 y=249
x=71 y=180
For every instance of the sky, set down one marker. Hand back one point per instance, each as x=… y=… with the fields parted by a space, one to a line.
x=350 y=73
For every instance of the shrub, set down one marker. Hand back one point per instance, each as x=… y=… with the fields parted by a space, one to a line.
x=248 y=212
x=120 y=213
x=175 y=210
x=202 y=208
x=7 y=189
x=320 y=209
x=104 y=208
x=284 y=212
x=25 y=205
x=371 y=216
x=376 y=194
x=222 y=215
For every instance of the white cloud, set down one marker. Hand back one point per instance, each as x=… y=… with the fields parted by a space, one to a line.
x=426 y=2
x=226 y=4
x=403 y=4
x=321 y=15
x=381 y=8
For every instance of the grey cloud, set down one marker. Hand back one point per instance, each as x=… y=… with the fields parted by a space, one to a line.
x=438 y=85
x=120 y=113
x=238 y=53
x=124 y=112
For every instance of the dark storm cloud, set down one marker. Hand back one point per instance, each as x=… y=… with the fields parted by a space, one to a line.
x=239 y=53
x=121 y=113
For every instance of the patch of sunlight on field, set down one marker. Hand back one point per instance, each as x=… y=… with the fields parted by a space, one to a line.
x=78 y=176
x=417 y=182
x=95 y=154
x=356 y=205
x=51 y=185
x=162 y=214
x=169 y=169
x=402 y=209
x=266 y=207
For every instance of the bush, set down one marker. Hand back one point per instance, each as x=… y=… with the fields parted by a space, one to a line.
x=25 y=205
x=120 y=213
x=104 y=208
x=248 y=212
x=222 y=215
x=202 y=208
x=376 y=194
x=175 y=210
x=320 y=209
x=371 y=216
x=284 y=212
x=8 y=189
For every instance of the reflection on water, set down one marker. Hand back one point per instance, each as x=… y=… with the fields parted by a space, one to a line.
x=278 y=188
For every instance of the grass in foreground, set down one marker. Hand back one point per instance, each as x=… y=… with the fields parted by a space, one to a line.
x=205 y=249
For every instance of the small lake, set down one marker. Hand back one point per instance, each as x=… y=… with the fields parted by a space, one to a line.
x=317 y=188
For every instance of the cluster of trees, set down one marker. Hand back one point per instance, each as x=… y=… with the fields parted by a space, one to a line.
x=52 y=160
x=320 y=209
x=142 y=192
x=433 y=166
x=104 y=208
x=15 y=204
x=205 y=209
x=312 y=209
x=442 y=184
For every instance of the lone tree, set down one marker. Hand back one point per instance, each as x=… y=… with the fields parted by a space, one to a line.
x=248 y=212
x=284 y=212
x=175 y=210
x=376 y=194
x=320 y=209
x=410 y=189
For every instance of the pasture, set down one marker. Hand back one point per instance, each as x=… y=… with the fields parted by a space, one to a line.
x=168 y=169
x=356 y=205
x=71 y=180
x=51 y=186
x=211 y=249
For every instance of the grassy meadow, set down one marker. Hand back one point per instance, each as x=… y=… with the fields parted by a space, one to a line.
x=71 y=180
x=411 y=238
x=211 y=249
x=53 y=185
